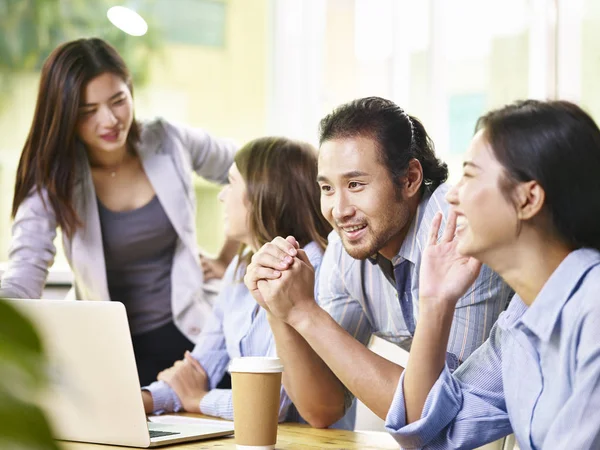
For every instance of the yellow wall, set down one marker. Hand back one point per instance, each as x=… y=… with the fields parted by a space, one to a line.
x=221 y=90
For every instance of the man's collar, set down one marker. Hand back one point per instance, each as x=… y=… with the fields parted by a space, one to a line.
x=407 y=249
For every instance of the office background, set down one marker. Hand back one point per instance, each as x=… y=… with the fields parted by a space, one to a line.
x=246 y=68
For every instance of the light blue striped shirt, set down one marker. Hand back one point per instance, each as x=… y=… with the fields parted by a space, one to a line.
x=363 y=301
x=538 y=374
x=238 y=327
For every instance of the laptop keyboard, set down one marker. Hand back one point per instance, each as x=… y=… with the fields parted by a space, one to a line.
x=156 y=433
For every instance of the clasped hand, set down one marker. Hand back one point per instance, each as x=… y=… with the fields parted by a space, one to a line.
x=189 y=381
x=281 y=279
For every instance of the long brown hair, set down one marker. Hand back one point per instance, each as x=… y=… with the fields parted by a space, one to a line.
x=49 y=156
x=282 y=191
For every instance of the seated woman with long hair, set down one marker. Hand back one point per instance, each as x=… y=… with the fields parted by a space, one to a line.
x=272 y=192
x=527 y=206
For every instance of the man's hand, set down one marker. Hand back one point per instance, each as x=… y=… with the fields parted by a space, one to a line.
x=189 y=381
x=290 y=297
x=268 y=263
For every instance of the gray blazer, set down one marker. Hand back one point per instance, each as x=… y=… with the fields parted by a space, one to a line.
x=169 y=154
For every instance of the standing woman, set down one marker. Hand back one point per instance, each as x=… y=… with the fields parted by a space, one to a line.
x=122 y=194
x=528 y=206
x=272 y=192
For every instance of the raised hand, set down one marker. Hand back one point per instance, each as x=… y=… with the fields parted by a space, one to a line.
x=189 y=381
x=445 y=274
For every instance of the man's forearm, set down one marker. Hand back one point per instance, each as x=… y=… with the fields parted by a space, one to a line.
x=368 y=376
x=313 y=388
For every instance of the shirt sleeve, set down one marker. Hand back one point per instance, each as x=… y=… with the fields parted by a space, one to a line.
x=210 y=351
x=333 y=294
x=214 y=357
x=31 y=250
x=211 y=347
x=211 y=157
x=463 y=410
x=164 y=398
x=475 y=314
x=219 y=402
x=334 y=297
x=577 y=425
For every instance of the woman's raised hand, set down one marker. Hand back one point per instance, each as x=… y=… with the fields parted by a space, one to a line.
x=445 y=274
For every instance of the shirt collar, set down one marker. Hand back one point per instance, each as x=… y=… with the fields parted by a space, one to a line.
x=409 y=245
x=542 y=315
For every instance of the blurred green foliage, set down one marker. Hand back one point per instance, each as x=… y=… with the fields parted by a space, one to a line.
x=31 y=29
x=22 y=375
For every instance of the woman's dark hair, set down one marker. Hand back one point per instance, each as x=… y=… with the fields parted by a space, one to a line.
x=400 y=137
x=557 y=144
x=49 y=156
x=282 y=191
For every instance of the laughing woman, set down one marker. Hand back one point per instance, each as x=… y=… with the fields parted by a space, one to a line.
x=527 y=206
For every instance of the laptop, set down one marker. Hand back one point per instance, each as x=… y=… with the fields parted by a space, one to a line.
x=94 y=393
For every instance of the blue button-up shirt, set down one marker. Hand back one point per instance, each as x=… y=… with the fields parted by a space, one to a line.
x=359 y=296
x=537 y=375
x=238 y=327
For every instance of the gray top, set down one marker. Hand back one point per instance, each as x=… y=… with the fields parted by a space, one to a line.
x=170 y=154
x=138 y=249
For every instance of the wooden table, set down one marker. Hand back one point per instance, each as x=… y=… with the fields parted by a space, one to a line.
x=290 y=436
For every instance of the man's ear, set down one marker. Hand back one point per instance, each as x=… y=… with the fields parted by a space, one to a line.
x=412 y=179
x=530 y=198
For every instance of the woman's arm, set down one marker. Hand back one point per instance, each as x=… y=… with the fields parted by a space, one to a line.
x=431 y=407
x=31 y=250
x=445 y=276
x=210 y=354
x=462 y=410
x=211 y=157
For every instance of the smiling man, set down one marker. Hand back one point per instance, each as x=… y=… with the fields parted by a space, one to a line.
x=381 y=185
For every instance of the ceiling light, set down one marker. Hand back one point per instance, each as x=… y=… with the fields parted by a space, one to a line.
x=127 y=20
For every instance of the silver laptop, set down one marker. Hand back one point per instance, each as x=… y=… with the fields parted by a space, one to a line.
x=94 y=394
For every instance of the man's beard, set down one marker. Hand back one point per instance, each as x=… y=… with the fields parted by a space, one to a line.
x=373 y=242
x=368 y=247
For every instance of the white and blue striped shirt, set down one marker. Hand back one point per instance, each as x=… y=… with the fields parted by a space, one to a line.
x=537 y=375
x=357 y=294
x=238 y=327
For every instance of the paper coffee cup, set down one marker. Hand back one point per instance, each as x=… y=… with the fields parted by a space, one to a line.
x=256 y=384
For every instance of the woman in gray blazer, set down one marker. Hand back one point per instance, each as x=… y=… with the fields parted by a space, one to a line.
x=122 y=194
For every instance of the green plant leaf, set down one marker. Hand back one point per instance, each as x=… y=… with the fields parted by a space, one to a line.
x=22 y=373
x=20 y=346
x=23 y=425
